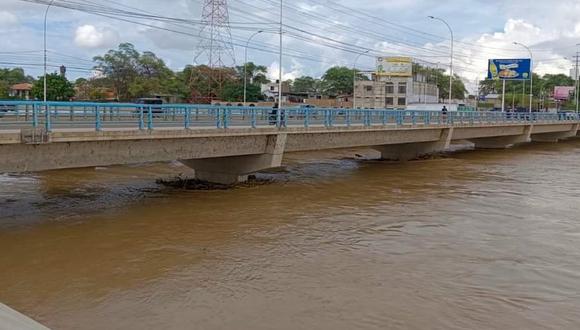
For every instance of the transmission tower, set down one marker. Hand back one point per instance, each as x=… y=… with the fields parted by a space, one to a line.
x=215 y=49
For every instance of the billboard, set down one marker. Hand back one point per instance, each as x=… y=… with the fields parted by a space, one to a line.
x=511 y=69
x=563 y=93
x=394 y=66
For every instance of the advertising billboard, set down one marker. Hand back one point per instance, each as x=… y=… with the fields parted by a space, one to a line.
x=563 y=93
x=510 y=69
x=394 y=66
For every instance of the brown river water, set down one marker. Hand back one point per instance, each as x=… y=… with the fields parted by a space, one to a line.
x=469 y=240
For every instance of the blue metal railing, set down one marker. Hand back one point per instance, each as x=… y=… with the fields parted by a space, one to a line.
x=99 y=116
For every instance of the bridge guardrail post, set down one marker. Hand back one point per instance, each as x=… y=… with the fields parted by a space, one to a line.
x=347 y=118
x=97 y=118
x=384 y=117
x=150 y=117
x=47 y=124
x=141 y=119
x=35 y=115
x=253 y=118
x=226 y=116
x=187 y=117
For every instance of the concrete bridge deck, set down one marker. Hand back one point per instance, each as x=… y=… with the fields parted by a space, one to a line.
x=225 y=145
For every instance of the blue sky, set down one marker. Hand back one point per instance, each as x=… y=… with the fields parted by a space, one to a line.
x=483 y=29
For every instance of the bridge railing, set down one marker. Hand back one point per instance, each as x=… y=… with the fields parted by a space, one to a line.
x=99 y=116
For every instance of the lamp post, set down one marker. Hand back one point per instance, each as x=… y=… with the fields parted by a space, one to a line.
x=45 y=51
x=531 y=73
x=354 y=78
x=451 y=59
x=576 y=88
x=279 y=112
x=246 y=64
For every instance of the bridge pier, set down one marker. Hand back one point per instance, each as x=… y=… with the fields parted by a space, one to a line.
x=503 y=142
x=410 y=151
x=236 y=169
x=556 y=136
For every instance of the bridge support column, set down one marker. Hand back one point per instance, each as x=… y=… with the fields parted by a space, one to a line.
x=236 y=169
x=557 y=136
x=410 y=151
x=503 y=142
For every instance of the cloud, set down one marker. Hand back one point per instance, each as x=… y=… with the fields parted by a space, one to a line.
x=90 y=36
x=8 y=19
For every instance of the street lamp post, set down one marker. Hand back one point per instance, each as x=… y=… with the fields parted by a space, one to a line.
x=279 y=112
x=451 y=59
x=531 y=73
x=246 y=64
x=354 y=78
x=577 y=87
x=45 y=51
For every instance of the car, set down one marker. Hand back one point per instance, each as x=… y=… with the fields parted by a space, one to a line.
x=6 y=109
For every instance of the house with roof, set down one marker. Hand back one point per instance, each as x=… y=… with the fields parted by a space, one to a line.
x=21 y=91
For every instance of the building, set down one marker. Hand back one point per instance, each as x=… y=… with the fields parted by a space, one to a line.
x=270 y=91
x=394 y=85
x=21 y=91
x=394 y=92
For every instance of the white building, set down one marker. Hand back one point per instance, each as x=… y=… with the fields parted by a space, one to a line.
x=395 y=92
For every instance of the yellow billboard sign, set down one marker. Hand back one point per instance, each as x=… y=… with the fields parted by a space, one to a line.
x=394 y=66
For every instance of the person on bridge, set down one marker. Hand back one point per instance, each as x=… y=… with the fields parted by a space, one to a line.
x=444 y=114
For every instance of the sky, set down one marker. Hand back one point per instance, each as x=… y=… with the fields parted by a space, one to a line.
x=318 y=34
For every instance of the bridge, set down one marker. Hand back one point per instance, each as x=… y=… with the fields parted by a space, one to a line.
x=227 y=144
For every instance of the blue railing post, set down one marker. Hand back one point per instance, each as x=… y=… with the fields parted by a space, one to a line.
x=149 y=117
x=414 y=118
x=47 y=124
x=187 y=117
x=35 y=115
x=384 y=117
x=97 y=118
x=253 y=116
x=141 y=119
x=307 y=117
x=218 y=122
x=227 y=112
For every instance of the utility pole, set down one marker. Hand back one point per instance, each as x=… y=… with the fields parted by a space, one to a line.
x=531 y=73
x=451 y=58
x=576 y=89
x=246 y=65
x=45 y=51
x=279 y=112
x=354 y=78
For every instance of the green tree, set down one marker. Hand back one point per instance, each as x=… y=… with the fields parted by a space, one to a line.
x=339 y=80
x=9 y=77
x=458 y=87
x=256 y=74
x=58 y=88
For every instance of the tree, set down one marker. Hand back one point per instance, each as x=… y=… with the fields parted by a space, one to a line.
x=9 y=77
x=58 y=88
x=458 y=87
x=135 y=75
x=339 y=80
x=256 y=74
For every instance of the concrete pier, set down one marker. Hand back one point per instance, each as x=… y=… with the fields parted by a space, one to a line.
x=13 y=320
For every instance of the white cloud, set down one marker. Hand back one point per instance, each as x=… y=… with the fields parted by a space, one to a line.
x=90 y=36
x=7 y=19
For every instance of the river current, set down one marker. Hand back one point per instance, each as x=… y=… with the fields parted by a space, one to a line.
x=468 y=240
